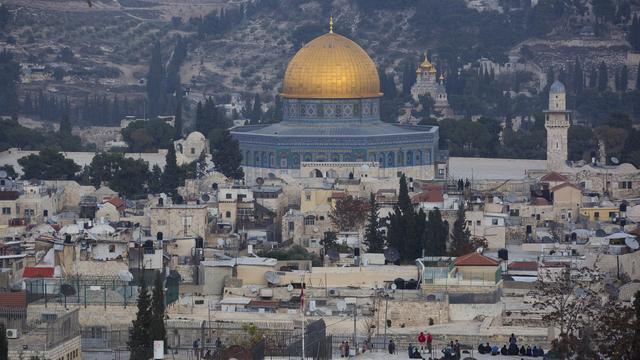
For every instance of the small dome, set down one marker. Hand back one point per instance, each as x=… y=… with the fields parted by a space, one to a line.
x=557 y=87
x=331 y=67
x=102 y=229
x=195 y=136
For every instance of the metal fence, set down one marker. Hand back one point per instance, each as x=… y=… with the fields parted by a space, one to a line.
x=91 y=291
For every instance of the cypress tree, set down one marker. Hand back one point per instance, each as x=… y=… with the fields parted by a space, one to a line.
x=226 y=156
x=603 y=78
x=638 y=77
x=155 y=82
x=256 y=113
x=171 y=174
x=157 y=327
x=578 y=77
x=178 y=120
x=4 y=345
x=624 y=78
x=140 y=343
x=460 y=235
x=402 y=225
x=65 y=125
x=373 y=238
x=435 y=237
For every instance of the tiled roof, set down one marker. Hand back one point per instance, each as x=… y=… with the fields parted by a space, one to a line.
x=523 y=266
x=9 y=195
x=16 y=299
x=553 y=177
x=37 y=272
x=475 y=259
x=431 y=196
x=117 y=202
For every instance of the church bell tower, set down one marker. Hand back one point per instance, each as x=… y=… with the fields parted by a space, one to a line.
x=557 y=122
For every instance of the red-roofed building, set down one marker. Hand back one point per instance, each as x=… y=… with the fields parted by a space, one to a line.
x=117 y=202
x=523 y=268
x=37 y=272
x=476 y=269
x=12 y=299
x=553 y=178
x=429 y=199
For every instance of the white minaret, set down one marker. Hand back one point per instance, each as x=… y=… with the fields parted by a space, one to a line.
x=557 y=123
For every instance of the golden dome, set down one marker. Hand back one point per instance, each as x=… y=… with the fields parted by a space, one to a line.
x=331 y=67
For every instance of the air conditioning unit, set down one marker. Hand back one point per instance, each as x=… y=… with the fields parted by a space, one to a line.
x=12 y=333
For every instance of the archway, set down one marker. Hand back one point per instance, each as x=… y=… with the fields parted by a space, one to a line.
x=315 y=173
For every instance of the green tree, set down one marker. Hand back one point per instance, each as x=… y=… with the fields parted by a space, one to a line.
x=157 y=328
x=11 y=172
x=226 y=155
x=65 y=125
x=435 y=237
x=373 y=237
x=603 y=78
x=256 y=113
x=178 y=124
x=604 y=9
x=401 y=232
x=125 y=175
x=624 y=78
x=9 y=79
x=171 y=175
x=578 y=77
x=634 y=33
x=155 y=82
x=48 y=165
x=329 y=241
x=4 y=344
x=460 y=234
x=142 y=136
x=140 y=342
x=155 y=180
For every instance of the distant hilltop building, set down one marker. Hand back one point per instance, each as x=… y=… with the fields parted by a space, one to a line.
x=427 y=82
x=331 y=126
x=557 y=122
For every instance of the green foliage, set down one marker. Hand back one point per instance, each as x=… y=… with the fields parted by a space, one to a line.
x=11 y=172
x=329 y=241
x=603 y=77
x=4 y=344
x=436 y=233
x=142 y=136
x=373 y=237
x=226 y=155
x=156 y=82
x=634 y=33
x=171 y=176
x=295 y=252
x=125 y=175
x=179 y=123
x=12 y=134
x=140 y=342
x=9 y=78
x=581 y=143
x=48 y=165
x=157 y=329
x=460 y=235
x=402 y=231
x=209 y=117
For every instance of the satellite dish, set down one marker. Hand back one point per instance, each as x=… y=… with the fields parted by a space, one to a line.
x=272 y=277
x=391 y=254
x=394 y=286
x=254 y=289
x=206 y=197
x=125 y=275
x=289 y=288
x=333 y=254
x=3 y=174
x=632 y=243
x=341 y=305
x=259 y=181
x=615 y=160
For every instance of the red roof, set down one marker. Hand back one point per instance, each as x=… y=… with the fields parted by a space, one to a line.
x=635 y=231
x=9 y=195
x=430 y=196
x=37 y=272
x=117 y=202
x=475 y=259
x=16 y=299
x=553 y=177
x=563 y=185
x=523 y=266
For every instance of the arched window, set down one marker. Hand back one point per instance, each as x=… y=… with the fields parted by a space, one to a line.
x=227 y=214
x=272 y=160
x=391 y=159
x=296 y=160
x=419 y=157
x=265 y=159
x=400 y=158
x=381 y=160
x=409 y=156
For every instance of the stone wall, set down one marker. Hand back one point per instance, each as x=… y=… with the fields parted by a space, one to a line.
x=415 y=312
x=467 y=312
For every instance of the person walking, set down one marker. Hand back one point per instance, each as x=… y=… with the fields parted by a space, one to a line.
x=429 y=342
x=392 y=347
x=346 y=349
x=342 y=347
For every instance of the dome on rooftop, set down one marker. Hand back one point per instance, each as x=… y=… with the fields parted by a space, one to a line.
x=557 y=87
x=331 y=67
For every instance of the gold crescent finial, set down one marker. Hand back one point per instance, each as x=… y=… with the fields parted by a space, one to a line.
x=331 y=24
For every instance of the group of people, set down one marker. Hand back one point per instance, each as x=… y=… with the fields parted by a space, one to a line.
x=511 y=349
x=344 y=349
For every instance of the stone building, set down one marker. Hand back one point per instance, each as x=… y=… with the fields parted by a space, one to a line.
x=428 y=83
x=179 y=221
x=189 y=149
x=557 y=122
x=331 y=116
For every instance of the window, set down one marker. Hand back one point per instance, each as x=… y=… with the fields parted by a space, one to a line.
x=612 y=214
x=193 y=151
x=291 y=226
x=162 y=222
x=45 y=213
x=112 y=248
x=6 y=211
x=310 y=220
x=494 y=221
x=307 y=197
x=478 y=222
x=321 y=218
x=624 y=185
x=227 y=214
x=228 y=196
x=469 y=222
x=596 y=214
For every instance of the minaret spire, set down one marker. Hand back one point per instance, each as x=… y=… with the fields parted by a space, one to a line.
x=331 y=24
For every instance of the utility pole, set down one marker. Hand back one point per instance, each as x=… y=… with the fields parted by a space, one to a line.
x=386 y=303
x=355 y=314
